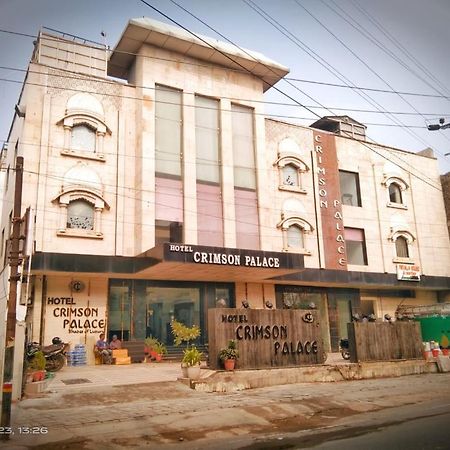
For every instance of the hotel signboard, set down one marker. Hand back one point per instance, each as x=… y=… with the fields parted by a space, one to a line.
x=408 y=272
x=266 y=338
x=330 y=201
x=204 y=255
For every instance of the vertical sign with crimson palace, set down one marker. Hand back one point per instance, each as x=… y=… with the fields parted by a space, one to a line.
x=330 y=201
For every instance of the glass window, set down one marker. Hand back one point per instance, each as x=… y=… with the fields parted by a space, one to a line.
x=401 y=247
x=80 y=214
x=395 y=193
x=349 y=184
x=355 y=244
x=207 y=139
x=168 y=127
x=119 y=310
x=243 y=147
x=83 y=138
x=295 y=237
x=290 y=175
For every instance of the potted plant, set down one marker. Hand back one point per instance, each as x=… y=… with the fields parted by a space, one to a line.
x=159 y=350
x=229 y=355
x=191 y=361
x=183 y=333
x=154 y=349
x=37 y=366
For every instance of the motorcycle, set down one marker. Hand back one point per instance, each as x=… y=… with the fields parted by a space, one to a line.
x=55 y=356
x=344 y=348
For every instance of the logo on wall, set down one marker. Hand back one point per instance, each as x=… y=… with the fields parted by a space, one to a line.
x=76 y=286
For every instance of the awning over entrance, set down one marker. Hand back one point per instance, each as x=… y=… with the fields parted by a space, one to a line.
x=173 y=261
x=203 y=263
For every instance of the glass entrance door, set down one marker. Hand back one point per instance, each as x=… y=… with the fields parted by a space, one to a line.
x=164 y=304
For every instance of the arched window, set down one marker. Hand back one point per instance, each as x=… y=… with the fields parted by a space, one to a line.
x=294 y=230
x=295 y=237
x=83 y=138
x=290 y=173
x=395 y=186
x=81 y=203
x=401 y=247
x=80 y=214
x=395 y=193
x=84 y=127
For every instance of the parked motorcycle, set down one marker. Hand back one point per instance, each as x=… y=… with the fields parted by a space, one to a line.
x=344 y=348
x=55 y=357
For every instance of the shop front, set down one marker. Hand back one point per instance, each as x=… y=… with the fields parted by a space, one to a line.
x=141 y=308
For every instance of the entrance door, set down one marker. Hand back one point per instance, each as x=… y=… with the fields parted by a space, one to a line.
x=164 y=304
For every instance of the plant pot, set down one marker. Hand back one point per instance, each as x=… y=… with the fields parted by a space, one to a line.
x=435 y=352
x=39 y=375
x=158 y=357
x=193 y=372
x=229 y=364
x=445 y=352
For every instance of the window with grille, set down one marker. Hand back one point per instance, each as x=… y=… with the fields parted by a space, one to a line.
x=80 y=215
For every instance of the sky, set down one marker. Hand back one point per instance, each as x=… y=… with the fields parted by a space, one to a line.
x=399 y=46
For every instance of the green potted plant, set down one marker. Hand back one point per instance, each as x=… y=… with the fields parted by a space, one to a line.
x=229 y=355
x=154 y=348
x=191 y=361
x=37 y=366
x=183 y=333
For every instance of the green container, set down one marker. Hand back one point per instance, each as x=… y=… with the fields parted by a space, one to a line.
x=435 y=329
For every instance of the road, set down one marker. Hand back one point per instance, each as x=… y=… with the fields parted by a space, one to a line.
x=171 y=416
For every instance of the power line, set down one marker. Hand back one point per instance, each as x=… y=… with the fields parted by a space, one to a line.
x=266 y=102
x=233 y=60
x=311 y=53
x=276 y=211
x=191 y=63
x=365 y=65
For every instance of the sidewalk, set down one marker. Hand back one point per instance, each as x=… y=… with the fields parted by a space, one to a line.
x=86 y=377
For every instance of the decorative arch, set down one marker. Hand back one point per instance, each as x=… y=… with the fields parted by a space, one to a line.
x=84 y=110
x=396 y=232
x=290 y=170
x=402 y=240
x=395 y=186
x=81 y=183
x=301 y=227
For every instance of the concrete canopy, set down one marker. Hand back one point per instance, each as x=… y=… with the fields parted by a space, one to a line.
x=148 y=31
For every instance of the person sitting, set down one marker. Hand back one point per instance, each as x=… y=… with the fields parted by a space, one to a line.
x=115 y=344
x=102 y=348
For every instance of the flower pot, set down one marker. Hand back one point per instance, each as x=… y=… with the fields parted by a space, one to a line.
x=193 y=372
x=39 y=375
x=445 y=352
x=435 y=352
x=229 y=364
x=158 y=357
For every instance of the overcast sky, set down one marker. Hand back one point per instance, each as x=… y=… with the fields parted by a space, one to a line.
x=351 y=38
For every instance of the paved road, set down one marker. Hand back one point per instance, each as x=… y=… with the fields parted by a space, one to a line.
x=169 y=415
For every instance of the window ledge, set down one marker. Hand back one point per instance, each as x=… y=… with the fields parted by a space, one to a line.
x=403 y=260
x=283 y=187
x=80 y=233
x=396 y=205
x=84 y=155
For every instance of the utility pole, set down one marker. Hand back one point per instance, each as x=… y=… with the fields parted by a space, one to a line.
x=14 y=262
